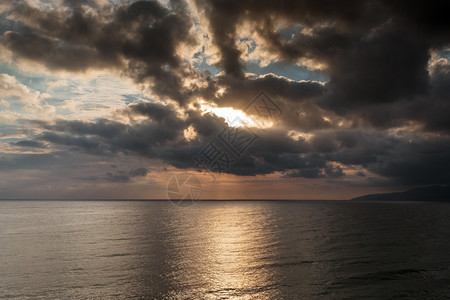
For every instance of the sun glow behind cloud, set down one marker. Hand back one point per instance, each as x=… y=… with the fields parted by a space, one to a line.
x=235 y=117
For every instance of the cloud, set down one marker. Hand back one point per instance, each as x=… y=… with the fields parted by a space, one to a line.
x=4 y=103
x=374 y=52
x=381 y=115
x=124 y=176
x=403 y=157
x=29 y=144
x=32 y=101
x=58 y=84
x=139 y=39
x=10 y=87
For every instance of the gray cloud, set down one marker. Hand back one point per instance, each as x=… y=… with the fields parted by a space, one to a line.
x=402 y=158
x=384 y=110
x=375 y=53
x=138 y=39
x=124 y=176
x=29 y=144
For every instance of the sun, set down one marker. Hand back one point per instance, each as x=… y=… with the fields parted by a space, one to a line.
x=234 y=117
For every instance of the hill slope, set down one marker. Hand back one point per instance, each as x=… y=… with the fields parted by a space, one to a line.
x=430 y=193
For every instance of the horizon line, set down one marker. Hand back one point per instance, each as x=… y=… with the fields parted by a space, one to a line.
x=159 y=199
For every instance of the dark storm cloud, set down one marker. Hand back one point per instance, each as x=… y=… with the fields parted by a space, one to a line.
x=328 y=171
x=402 y=158
x=434 y=110
x=409 y=162
x=29 y=144
x=125 y=176
x=428 y=19
x=374 y=52
x=139 y=39
x=84 y=143
x=29 y=161
x=430 y=111
x=384 y=109
x=225 y=15
x=102 y=127
x=389 y=66
x=155 y=112
x=239 y=92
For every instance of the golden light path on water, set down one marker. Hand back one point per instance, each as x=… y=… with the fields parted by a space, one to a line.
x=234 y=249
x=225 y=259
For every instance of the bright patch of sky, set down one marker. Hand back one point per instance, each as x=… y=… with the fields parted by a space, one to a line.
x=48 y=97
x=87 y=97
x=200 y=64
x=293 y=72
x=290 y=71
x=288 y=33
x=444 y=53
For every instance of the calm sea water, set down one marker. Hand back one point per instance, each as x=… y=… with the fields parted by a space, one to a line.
x=224 y=250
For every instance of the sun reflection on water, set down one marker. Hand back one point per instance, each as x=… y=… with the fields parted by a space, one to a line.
x=226 y=260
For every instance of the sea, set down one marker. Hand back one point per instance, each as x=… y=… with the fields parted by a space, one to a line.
x=224 y=250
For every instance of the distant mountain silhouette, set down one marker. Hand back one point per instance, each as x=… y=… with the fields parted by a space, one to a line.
x=429 y=193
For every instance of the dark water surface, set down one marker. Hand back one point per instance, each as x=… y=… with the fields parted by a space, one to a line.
x=224 y=250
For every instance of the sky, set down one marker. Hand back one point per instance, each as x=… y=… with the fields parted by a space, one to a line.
x=307 y=99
